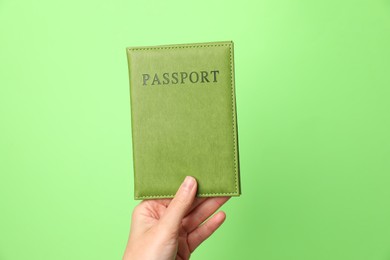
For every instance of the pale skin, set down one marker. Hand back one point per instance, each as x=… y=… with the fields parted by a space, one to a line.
x=167 y=229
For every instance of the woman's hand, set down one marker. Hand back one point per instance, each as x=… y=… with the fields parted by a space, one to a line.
x=167 y=229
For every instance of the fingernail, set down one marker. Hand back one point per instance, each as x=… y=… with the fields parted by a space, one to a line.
x=189 y=183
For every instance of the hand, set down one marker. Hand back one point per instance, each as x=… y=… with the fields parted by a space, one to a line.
x=167 y=229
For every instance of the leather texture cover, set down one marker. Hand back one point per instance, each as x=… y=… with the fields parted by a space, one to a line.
x=183 y=116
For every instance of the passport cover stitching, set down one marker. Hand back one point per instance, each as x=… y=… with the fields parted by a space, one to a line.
x=233 y=112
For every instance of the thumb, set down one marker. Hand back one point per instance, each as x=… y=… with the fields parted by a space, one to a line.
x=180 y=204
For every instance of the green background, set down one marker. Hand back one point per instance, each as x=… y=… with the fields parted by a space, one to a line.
x=313 y=103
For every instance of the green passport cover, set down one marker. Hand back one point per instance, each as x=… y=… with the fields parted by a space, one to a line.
x=183 y=117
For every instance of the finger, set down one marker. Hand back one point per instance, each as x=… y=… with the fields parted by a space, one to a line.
x=202 y=212
x=197 y=202
x=196 y=237
x=180 y=204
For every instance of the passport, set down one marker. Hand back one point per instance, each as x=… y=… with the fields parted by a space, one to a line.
x=184 y=119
